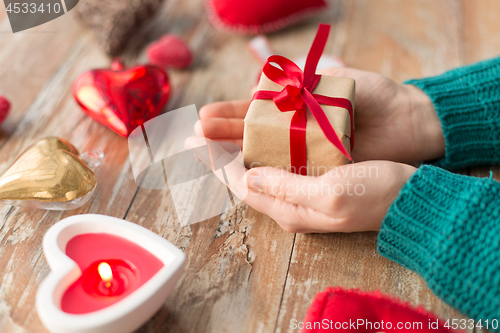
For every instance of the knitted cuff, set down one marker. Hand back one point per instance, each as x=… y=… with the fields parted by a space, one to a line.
x=467 y=102
x=446 y=227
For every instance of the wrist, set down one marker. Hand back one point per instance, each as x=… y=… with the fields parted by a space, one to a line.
x=399 y=174
x=427 y=130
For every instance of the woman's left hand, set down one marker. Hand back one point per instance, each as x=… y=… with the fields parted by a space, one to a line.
x=394 y=122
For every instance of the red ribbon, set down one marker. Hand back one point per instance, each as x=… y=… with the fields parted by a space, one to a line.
x=297 y=96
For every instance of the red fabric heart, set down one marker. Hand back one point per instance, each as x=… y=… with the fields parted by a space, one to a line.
x=251 y=17
x=122 y=99
x=340 y=309
x=4 y=108
x=169 y=51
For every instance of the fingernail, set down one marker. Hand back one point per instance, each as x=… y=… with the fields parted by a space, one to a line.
x=254 y=182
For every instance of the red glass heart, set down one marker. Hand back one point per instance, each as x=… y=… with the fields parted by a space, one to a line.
x=122 y=99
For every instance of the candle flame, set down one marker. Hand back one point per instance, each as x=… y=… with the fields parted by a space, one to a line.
x=105 y=271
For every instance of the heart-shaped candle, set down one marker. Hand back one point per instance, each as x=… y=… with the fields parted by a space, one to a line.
x=112 y=268
x=122 y=99
x=48 y=175
x=108 y=275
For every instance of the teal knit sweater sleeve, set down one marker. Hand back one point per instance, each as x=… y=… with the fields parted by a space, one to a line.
x=467 y=102
x=446 y=228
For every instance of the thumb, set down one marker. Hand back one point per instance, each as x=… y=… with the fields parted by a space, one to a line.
x=288 y=187
x=225 y=161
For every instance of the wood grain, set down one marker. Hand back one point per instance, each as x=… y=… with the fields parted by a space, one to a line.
x=243 y=273
x=479 y=30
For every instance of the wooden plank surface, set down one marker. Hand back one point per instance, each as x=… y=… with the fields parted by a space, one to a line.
x=243 y=273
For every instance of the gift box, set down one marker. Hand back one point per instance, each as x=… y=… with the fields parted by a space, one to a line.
x=300 y=121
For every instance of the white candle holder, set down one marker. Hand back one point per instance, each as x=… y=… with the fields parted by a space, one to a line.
x=129 y=313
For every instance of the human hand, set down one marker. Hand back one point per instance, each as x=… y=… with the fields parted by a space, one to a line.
x=350 y=198
x=393 y=121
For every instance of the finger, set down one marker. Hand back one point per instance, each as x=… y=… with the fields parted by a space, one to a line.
x=226 y=162
x=233 y=109
x=289 y=187
x=220 y=128
x=295 y=218
x=288 y=216
x=238 y=142
x=254 y=90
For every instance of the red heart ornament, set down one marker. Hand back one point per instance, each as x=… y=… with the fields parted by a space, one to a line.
x=251 y=17
x=122 y=99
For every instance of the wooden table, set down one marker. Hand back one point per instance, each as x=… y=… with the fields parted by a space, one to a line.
x=243 y=273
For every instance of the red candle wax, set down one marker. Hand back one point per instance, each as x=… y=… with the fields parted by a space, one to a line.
x=130 y=264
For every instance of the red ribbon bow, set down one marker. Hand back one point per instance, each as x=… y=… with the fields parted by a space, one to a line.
x=297 y=96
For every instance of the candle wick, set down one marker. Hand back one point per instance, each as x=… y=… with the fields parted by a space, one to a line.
x=105 y=271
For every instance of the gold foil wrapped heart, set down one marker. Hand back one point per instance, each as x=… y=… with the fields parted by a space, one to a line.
x=48 y=175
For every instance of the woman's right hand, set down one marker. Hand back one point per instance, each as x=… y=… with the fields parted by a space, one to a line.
x=393 y=121
x=349 y=198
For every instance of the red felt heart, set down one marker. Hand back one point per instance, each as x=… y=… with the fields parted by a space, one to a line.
x=259 y=16
x=358 y=311
x=122 y=99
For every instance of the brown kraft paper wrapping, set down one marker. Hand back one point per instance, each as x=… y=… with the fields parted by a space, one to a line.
x=266 y=139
